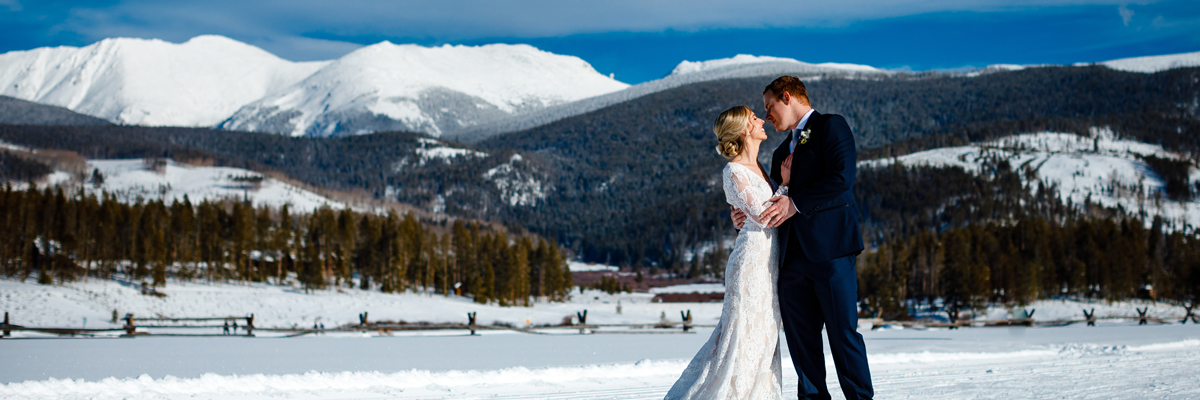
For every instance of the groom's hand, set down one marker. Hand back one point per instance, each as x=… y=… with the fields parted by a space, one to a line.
x=774 y=215
x=738 y=217
x=785 y=170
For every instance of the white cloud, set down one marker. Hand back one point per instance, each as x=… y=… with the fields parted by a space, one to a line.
x=12 y=5
x=1126 y=14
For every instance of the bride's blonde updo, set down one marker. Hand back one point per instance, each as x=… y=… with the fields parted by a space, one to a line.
x=728 y=127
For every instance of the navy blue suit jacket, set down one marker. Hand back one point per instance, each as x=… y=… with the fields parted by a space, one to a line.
x=823 y=168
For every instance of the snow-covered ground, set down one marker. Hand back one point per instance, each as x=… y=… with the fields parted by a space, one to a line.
x=1107 y=170
x=691 y=288
x=434 y=150
x=1127 y=362
x=580 y=266
x=67 y=305
x=132 y=178
x=1116 y=359
x=275 y=306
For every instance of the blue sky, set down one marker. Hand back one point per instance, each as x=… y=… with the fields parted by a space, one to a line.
x=640 y=40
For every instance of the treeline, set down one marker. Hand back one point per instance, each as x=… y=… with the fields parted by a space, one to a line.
x=61 y=237
x=1034 y=258
x=20 y=169
x=900 y=201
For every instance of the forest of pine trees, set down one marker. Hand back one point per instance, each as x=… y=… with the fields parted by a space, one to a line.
x=1034 y=258
x=61 y=237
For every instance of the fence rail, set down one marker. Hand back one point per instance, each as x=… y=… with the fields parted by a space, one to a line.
x=579 y=325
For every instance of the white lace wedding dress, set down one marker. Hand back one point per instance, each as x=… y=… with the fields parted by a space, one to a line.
x=741 y=358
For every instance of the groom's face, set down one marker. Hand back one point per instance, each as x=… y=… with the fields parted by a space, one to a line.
x=778 y=113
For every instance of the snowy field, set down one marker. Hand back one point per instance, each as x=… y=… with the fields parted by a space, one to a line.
x=1116 y=359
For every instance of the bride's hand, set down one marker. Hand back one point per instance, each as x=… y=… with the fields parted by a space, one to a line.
x=786 y=170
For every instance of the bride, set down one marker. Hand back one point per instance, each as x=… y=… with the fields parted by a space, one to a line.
x=741 y=359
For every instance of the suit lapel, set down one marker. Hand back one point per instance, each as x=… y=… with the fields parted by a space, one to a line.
x=802 y=169
x=781 y=152
x=811 y=126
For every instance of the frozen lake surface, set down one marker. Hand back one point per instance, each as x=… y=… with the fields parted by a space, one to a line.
x=1109 y=361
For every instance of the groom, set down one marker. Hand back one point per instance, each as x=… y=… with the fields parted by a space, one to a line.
x=819 y=241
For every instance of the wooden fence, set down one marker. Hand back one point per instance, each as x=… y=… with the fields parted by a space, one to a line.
x=229 y=325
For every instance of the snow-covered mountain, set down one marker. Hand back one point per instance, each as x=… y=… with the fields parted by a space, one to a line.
x=434 y=90
x=1153 y=64
x=687 y=72
x=217 y=81
x=1148 y=64
x=743 y=62
x=1100 y=169
x=150 y=82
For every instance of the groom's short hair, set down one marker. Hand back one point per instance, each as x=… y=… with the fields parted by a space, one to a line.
x=790 y=84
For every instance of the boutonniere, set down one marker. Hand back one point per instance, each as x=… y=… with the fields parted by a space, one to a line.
x=804 y=135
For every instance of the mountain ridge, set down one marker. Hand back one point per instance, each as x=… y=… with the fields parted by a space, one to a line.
x=149 y=82
x=435 y=90
x=15 y=111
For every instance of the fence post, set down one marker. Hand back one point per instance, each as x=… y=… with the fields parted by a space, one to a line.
x=1091 y=317
x=582 y=320
x=6 y=323
x=1188 y=308
x=250 y=325
x=129 y=328
x=470 y=324
x=687 y=320
x=1142 y=315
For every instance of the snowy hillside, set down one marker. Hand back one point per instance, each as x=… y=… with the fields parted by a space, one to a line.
x=687 y=72
x=433 y=90
x=1101 y=169
x=132 y=179
x=150 y=82
x=1153 y=64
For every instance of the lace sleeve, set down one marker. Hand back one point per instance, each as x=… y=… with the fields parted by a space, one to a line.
x=739 y=192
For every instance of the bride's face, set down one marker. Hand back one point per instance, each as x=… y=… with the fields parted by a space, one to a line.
x=755 y=130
